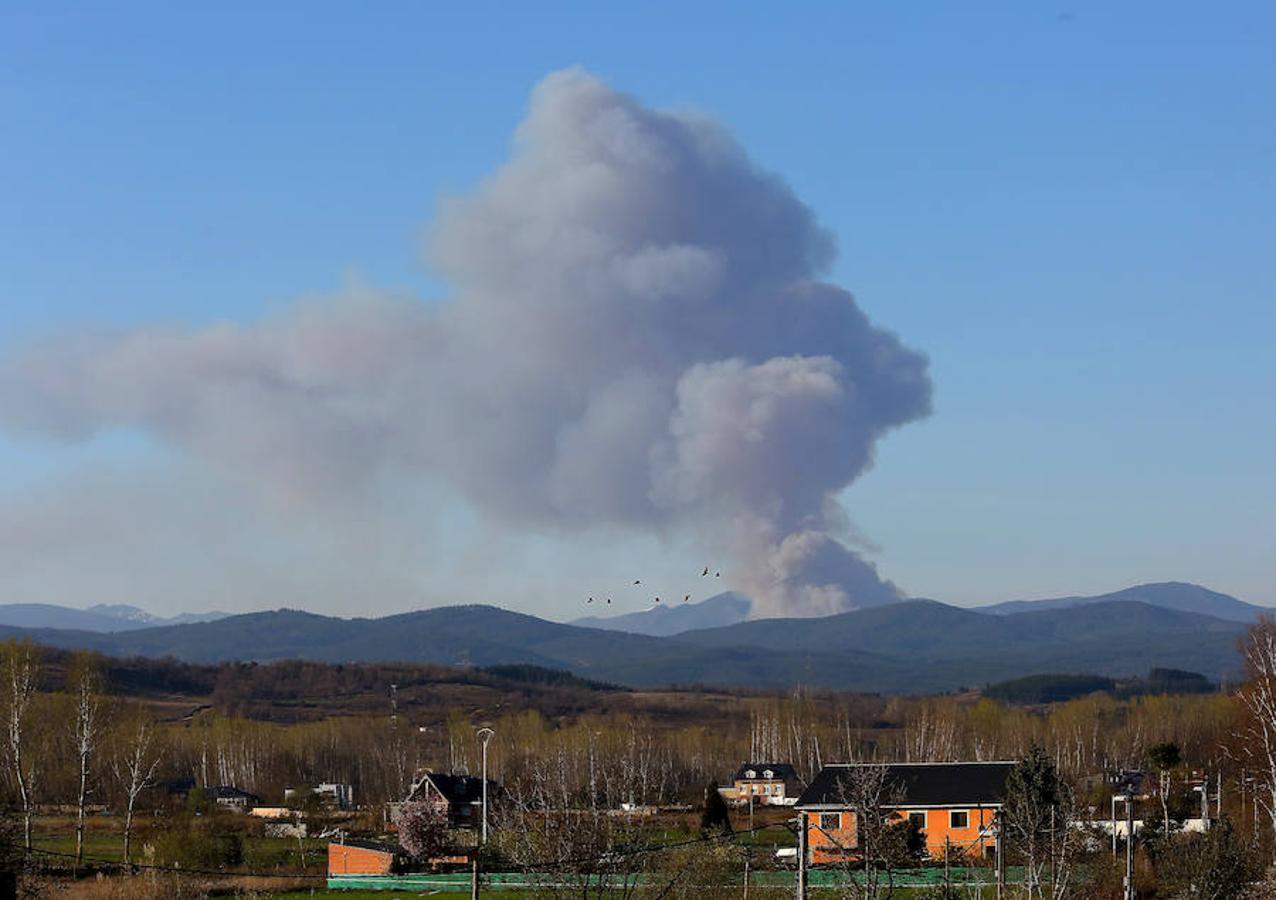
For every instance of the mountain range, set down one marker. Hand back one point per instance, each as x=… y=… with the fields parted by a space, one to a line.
x=913 y=646
x=102 y=617
x=1168 y=594
x=731 y=608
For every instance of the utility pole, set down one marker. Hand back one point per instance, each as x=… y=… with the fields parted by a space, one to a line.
x=485 y=735
x=801 y=873
x=1129 y=845
x=1052 y=869
x=1114 y=800
x=474 y=877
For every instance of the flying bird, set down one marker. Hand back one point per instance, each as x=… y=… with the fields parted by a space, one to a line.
x=657 y=599
x=686 y=597
x=609 y=600
x=637 y=581
x=705 y=572
x=717 y=574
x=590 y=600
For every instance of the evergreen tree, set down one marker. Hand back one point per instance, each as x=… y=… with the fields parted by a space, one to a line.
x=715 y=817
x=1038 y=801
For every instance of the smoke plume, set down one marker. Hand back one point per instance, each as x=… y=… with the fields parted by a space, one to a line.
x=635 y=335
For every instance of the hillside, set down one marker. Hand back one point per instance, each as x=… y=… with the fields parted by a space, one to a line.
x=915 y=646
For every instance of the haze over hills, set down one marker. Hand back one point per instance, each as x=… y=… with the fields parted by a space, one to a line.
x=101 y=617
x=910 y=647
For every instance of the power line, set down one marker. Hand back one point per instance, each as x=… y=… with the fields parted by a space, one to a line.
x=120 y=864
x=606 y=856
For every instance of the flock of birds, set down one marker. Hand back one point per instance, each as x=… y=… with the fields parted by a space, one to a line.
x=686 y=598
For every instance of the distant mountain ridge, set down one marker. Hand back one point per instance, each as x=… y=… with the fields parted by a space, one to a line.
x=1178 y=595
x=107 y=618
x=913 y=646
x=726 y=608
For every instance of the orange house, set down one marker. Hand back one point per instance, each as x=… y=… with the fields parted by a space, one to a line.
x=954 y=805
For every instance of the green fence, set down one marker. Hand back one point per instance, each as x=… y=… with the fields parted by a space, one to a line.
x=459 y=882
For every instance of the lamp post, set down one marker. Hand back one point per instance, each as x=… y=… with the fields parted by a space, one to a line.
x=485 y=735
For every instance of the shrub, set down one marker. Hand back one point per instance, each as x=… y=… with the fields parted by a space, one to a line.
x=198 y=847
x=1215 y=865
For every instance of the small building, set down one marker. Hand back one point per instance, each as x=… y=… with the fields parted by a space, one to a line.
x=232 y=798
x=178 y=787
x=353 y=857
x=1130 y=782
x=336 y=794
x=953 y=805
x=286 y=829
x=765 y=784
x=272 y=813
x=460 y=796
x=333 y=795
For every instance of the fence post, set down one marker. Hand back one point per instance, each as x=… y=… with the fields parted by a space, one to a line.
x=801 y=873
x=1001 y=854
x=474 y=877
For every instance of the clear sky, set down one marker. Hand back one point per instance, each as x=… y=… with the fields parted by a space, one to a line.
x=1070 y=209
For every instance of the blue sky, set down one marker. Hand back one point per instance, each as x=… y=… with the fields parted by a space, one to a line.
x=1069 y=208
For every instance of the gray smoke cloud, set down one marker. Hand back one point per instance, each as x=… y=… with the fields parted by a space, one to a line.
x=636 y=336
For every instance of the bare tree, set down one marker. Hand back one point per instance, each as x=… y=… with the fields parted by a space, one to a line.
x=135 y=762
x=566 y=848
x=85 y=683
x=1258 y=696
x=20 y=666
x=880 y=839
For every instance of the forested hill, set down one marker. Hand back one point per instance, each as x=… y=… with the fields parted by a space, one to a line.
x=915 y=646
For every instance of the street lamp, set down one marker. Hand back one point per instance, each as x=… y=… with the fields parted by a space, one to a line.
x=485 y=735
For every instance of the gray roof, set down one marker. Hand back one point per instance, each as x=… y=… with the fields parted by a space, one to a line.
x=456 y=789
x=920 y=784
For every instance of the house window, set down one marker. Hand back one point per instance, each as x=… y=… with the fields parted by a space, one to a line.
x=959 y=818
x=830 y=821
x=750 y=774
x=768 y=774
x=917 y=820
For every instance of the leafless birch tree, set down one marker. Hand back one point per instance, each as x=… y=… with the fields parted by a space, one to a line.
x=85 y=683
x=136 y=759
x=20 y=667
